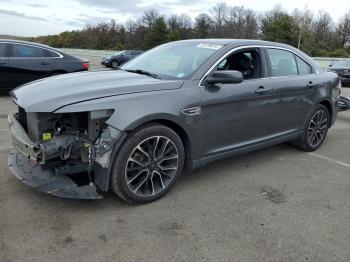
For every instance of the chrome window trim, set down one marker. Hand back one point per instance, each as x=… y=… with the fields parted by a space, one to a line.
x=254 y=46
x=48 y=49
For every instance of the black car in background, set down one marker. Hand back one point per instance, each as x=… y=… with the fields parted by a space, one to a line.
x=120 y=58
x=342 y=68
x=22 y=62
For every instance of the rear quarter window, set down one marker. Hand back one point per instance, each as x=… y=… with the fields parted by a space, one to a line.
x=304 y=68
x=49 y=53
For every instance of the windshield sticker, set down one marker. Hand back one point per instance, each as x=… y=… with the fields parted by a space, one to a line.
x=180 y=75
x=209 y=46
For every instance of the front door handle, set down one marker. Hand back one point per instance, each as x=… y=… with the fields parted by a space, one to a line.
x=2 y=63
x=262 y=90
x=44 y=63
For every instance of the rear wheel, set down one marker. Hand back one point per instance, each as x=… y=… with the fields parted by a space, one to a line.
x=315 y=131
x=148 y=164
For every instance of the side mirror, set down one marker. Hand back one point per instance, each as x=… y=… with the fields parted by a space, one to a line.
x=330 y=65
x=225 y=77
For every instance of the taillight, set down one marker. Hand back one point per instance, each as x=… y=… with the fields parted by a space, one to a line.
x=86 y=66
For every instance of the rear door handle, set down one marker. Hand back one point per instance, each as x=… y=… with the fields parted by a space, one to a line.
x=44 y=63
x=311 y=84
x=262 y=90
x=2 y=63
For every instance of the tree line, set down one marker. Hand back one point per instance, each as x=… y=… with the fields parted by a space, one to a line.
x=315 y=34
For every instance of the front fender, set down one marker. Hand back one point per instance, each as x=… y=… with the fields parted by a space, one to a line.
x=133 y=110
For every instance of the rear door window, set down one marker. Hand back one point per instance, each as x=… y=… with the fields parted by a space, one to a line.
x=282 y=63
x=3 y=50
x=27 y=51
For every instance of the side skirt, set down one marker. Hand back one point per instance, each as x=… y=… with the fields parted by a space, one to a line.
x=244 y=149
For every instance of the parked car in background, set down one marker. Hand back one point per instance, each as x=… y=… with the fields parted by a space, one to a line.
x=135 y=129
x=120 y=58
x=22 y=62
x=344 y=103
x=342 y=68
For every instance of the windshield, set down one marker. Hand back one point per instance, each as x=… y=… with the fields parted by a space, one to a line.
x=118 y=53
x=175 y=60
x=342 y=63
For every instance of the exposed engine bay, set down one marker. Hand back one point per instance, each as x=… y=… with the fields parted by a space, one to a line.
x=64 y=136
x=64 y=144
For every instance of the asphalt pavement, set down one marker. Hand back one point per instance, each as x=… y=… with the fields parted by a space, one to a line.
x=277 y=204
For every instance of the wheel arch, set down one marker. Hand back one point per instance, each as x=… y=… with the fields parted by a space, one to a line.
x=330 y=109
x=174 y=125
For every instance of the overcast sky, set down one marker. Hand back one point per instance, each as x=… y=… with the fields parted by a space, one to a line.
x=42 y=17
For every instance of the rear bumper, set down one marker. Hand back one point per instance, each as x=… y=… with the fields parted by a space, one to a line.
x=344 y=80
x=47 y=181
x=344 y=103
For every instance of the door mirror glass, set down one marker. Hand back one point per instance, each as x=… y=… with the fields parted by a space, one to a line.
x=225 y=77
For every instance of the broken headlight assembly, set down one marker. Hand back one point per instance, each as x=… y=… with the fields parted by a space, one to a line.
x=79 y=137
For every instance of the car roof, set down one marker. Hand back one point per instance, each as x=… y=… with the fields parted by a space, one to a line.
x=24 y=42
x=226 y=41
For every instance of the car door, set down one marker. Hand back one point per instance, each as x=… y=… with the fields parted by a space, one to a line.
x=235 y=116
x=5 y=83
x=294 y=85
x=29 y=63
x=125 y=56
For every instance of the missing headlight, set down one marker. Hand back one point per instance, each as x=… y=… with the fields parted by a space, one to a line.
x=97 y=123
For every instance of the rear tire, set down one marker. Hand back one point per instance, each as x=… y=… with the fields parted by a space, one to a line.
x=315 y=130
x=148 y=164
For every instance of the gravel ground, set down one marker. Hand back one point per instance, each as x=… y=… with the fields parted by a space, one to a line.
x=277 y=204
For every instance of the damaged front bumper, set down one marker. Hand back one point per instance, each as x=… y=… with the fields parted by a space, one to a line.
x=47 y=181
x=25 y=162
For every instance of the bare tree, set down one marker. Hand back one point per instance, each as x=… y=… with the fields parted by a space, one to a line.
x=343 y=31
x=149 y=17
x=251 y=24
x=219 y=14
x=202 y=25
x=174 y=23
x=322 y=28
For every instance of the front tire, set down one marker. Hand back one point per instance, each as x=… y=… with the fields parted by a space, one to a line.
x=114 y=64
x=148 y=164
x=315 y=130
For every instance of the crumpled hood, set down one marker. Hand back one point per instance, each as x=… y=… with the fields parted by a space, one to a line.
x=49 y=94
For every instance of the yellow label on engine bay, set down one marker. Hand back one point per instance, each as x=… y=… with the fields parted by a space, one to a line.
x=47 y=136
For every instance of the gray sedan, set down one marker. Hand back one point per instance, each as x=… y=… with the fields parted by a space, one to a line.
x=179 y=106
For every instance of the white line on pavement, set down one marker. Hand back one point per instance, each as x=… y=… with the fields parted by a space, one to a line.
x=5 y=148
x=330 y=159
